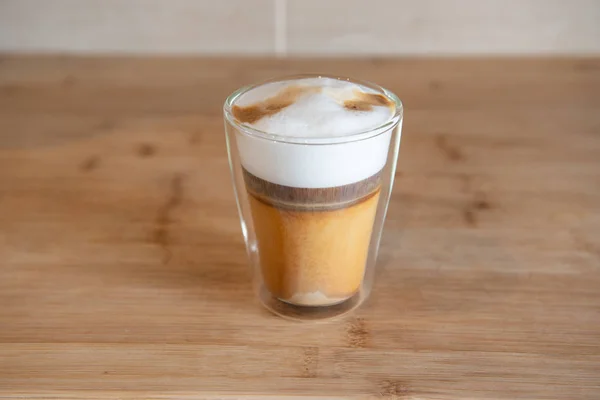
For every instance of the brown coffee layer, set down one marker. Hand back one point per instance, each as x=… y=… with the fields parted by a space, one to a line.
x=309 y=257
x=313 y=199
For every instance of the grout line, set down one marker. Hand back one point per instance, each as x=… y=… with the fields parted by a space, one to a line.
x=281 y=28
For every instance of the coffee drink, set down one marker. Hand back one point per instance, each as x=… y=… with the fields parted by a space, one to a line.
x=314 y=189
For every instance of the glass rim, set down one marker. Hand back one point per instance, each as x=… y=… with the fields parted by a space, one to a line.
x=355 y=137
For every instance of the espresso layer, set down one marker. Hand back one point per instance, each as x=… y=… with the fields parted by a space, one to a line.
x=312 y=199
x=313 y=258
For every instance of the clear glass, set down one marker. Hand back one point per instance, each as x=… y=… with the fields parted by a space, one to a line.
x=312 y=251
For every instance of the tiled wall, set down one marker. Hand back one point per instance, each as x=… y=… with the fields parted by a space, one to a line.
x=301 y=27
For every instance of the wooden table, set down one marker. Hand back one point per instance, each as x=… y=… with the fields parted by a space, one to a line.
x=123 y=273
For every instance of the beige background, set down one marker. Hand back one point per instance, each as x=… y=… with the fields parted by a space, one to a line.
x=301 y=27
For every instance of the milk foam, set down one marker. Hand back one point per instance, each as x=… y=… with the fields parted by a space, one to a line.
x=319 y=114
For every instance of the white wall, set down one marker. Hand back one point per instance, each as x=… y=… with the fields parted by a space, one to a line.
x=301 y=27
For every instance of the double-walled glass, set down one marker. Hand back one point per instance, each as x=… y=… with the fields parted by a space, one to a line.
x=311 y=242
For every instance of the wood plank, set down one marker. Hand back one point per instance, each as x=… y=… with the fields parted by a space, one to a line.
x=489 y=268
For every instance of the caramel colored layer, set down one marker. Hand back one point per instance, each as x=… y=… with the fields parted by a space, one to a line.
x=307 y=252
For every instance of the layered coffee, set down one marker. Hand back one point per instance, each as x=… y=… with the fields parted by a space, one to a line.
x=313 y=191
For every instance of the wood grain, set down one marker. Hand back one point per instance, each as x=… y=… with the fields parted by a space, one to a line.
x=123 y=273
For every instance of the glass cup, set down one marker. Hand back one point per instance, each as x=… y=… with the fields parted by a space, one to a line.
x=312 y=247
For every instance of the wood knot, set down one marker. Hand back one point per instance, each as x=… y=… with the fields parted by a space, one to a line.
x=164 y=216
x=482 y=204
x=106 y=125
x=195 y=137
x=478 y=204
x=310 y=363
x=69 y=81
x=393 y=389
x=434 y=86
x=90 y=164
x=357 y=334
x=146 y=150
x=452 y=152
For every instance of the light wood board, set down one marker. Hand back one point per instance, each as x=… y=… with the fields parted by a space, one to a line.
x=123 y=273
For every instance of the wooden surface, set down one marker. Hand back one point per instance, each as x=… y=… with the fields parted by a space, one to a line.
x=123 y=273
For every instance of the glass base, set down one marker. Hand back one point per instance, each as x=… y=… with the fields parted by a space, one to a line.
x=309 y=313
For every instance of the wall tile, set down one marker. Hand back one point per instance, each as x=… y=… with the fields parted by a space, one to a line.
x=443 y=26
x=312 y=27
x=138 y=26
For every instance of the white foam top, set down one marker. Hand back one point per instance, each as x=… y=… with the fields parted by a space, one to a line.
x=314 y=113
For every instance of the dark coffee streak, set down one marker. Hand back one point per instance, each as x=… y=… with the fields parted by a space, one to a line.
x=313 y=208
x=365 y=101
x=312 y=199
x=272 y=105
